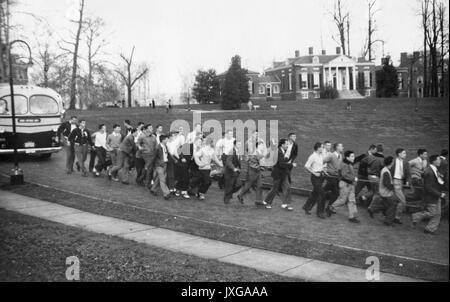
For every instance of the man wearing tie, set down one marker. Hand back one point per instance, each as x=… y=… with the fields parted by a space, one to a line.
x=402 y=175
x=65 y=129
x=433 y=193
x=81 y=140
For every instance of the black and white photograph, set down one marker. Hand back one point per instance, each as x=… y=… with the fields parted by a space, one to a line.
x=225 y=149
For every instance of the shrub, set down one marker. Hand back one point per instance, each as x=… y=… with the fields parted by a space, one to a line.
x=329 y=92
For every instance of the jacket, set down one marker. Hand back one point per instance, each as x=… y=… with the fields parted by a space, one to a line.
x=82 y=137
x=375 y=163
x=128 y=146
x=432 y=189
x=282 y=167
x=347 y=173
x=406 y=171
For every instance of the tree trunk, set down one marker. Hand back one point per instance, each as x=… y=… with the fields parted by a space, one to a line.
x=73 y=83
x=129 y=95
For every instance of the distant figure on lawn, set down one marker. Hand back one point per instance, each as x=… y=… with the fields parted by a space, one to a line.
x=153 y=104
x=250 y=105
x=349 y=106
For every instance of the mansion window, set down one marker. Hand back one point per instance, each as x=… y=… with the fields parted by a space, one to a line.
x=275 y=89
x=419 y=79
x=261 y=89
x=304 y=80
x=367 y=77
x=316 y=80
x=400 y=81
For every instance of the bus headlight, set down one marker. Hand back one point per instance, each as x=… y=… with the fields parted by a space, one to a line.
x=2 y=130
x=55 y=130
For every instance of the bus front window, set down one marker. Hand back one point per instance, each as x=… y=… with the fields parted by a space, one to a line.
x=43 y=104
x=20 y=105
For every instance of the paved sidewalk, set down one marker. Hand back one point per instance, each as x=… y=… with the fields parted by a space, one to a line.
x=282 y=264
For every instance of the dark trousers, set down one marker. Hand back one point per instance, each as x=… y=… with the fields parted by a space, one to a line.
x=123 y=165
x=92 y=156
x=201 y=180
x=81 y=152
x=101 y=159
x=254 y=181
x=317 y=195
x=331 y=189
x=149 y=168
x=171 y=174
x=386 y=204
x=70 y=157
x=139 y=163
x=280 y=184
x=232 y=185
x=182 y=177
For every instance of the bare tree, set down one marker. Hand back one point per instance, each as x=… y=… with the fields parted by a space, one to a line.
x=46 y=57
x=444 y=42
x=341 y=18
x=129 y=77
x=372 y=28
x=425 y=25
x=76 y=45
x=94 y=43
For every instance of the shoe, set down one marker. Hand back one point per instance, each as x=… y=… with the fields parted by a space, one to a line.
x=329 y=212
x=268 y=207
x=286 y=207
x=153 y=193
x=397 y=221
x=321 y=216
x=78 y=166
x=260 y=203
x=125 y=183
x=115 y=179
x=306 y=211
x=241 y=200
x=69 y=172
x=202 y=196
x=167 y=197
x=186 y=196
x=109 y=176
x=177 y=194
x=84 y=174
x=370 y=213
x=354 y=220
x=428 y=232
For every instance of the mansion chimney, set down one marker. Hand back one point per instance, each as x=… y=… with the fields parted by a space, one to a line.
x=311 y=51
x=404 y=59
x=297 y=53
x=324 y=52
x=338 y=50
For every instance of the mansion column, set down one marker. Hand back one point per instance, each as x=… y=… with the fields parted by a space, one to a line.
x=338 y=79
x=354 y=78
x=347 y=78
x=330 y=76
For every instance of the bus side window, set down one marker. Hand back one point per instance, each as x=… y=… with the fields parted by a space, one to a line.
x=3 y=108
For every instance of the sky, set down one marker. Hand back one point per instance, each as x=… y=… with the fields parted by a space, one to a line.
x=177 y=37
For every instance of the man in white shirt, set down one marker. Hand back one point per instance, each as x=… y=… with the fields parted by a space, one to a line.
x=100 y=149
x=401 y=176
x=191 y=137
x=172 y=149
x=315 y=166
x=158 y=133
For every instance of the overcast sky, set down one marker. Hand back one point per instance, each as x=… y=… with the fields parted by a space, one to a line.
x=177 y=37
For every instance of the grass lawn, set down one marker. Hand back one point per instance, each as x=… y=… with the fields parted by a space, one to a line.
x=36 y=250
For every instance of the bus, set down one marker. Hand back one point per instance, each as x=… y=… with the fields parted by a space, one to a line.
x=39 y=112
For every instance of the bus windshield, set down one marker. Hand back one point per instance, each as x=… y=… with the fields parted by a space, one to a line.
x=43 y=104
x=20 y=105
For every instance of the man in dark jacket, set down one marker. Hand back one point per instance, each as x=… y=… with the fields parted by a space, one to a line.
x=280 y=175
x=80 y=137
x=363 y=181
x=126 y=153
x=375 y=164
x=231 y=173
x=433 y=193
x=64 y=130
x=161 y=159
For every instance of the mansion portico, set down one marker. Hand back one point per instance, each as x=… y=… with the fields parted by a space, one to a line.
x=303 y=77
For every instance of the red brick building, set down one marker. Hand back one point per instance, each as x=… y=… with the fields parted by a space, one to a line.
x=303 y=77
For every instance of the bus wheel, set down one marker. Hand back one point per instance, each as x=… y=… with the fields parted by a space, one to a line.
x=46 y=156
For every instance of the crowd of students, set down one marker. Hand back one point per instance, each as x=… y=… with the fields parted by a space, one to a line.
x=183 y=166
